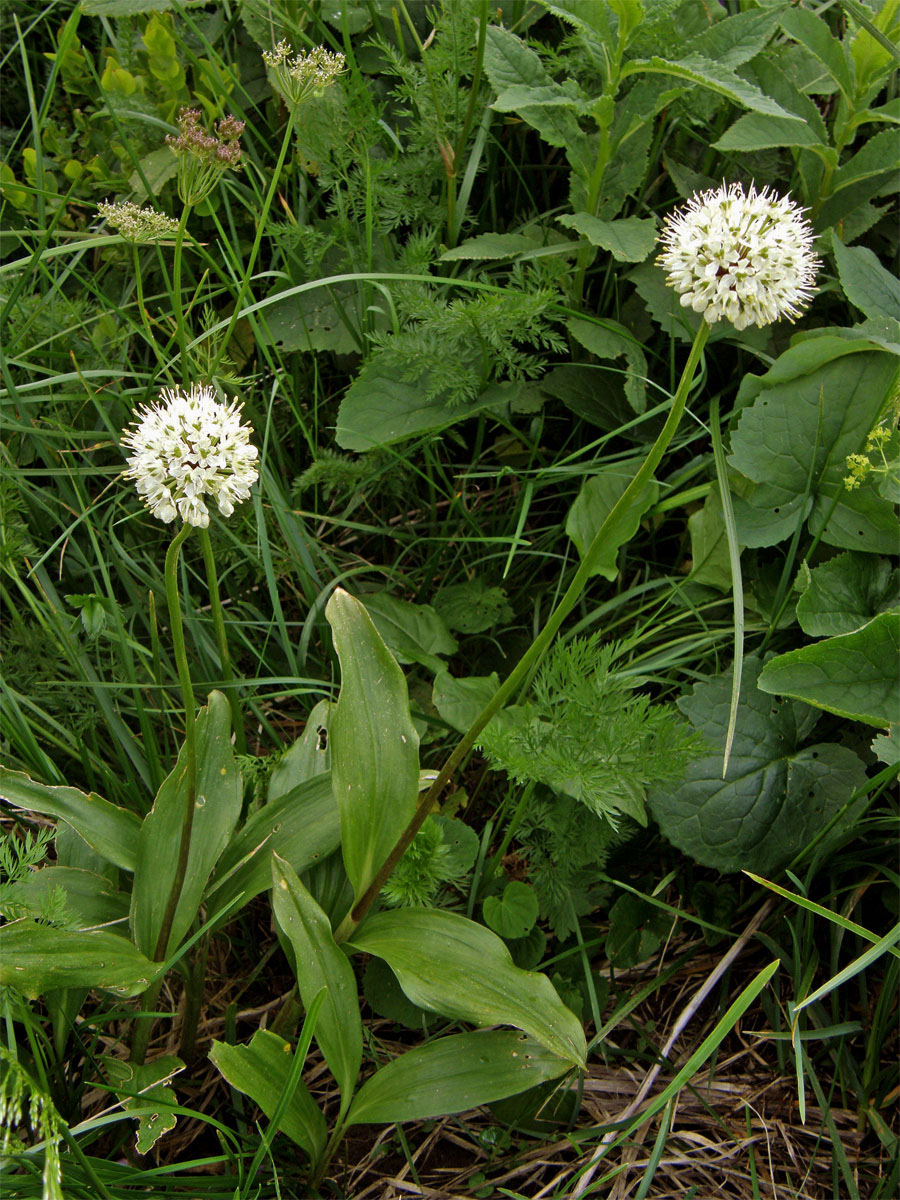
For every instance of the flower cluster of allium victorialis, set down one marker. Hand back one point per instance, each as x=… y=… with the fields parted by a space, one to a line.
x=747 y=258
x=187 y=448
x=137 y=224
x=299 y=76
x=203 y=156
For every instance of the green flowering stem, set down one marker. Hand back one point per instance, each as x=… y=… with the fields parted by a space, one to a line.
x=542 y=642
x=190 y=738
x=145 y=316
x=237 y=717
x=177 y=305
x=257 y=242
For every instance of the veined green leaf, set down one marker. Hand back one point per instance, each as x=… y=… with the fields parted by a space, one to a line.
x=694 y=68
x=629 y=239
x=261 y=1072
x=321 y=964
x=450 y=965
x=35 y=958
x=845 y=593
x=113 y=832
x=452 y=1074
x=596 y=499
x=374 y=745
x=866 y=283
x=216 y=809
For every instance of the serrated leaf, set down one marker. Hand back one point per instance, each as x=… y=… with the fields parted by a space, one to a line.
x=321 y=964
x=36 y=958
x=261 y=1072
x=629 y=239
x=609 y=339
x=374 y=745
x=490 y=246
x=113 y=832
x=775 y=796
x=450 y=965
x=216 y=810
x=596 y=499
x=472 y=606
x=757 y=131
x=846 y=593
x=513 y=914
x=815 y=406
x=459 y=701
x=453 y=1074
x=694 y=68
x=413 y=632
x=813 y=33
x=866 y=283
x=853 y=675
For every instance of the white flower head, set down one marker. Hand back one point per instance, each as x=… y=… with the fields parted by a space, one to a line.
x=300 y=76
x=187 y=448
x=135 y=223
x=747 y=258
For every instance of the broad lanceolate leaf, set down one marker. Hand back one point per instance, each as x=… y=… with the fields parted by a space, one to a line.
x=216 y=809
x=450 y=965
x=866 y=283
x=320 y=963
x=374 y=746
x=302 y=826
x=815 y=405
x=113 y=832
x=35 y=958
x=453 y=1074
x=261 y=1072
x=846 y=592
x=854 y=675
x=307 y=756
x=596 y=499
x=775 y=796
x=629 y=239
x=757 y=131
x=609 y=339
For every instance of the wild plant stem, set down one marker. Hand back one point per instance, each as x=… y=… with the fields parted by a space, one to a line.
x=218 y=616
x=257 y=242
x=541 y=643
x=178 y=307
x=189 y=776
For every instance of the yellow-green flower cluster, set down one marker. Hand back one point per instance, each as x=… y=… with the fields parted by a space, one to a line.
x=137 y=224
x=860 y=466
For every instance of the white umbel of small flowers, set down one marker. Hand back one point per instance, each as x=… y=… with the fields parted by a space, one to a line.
x=137 y=224
x=745 y=258
x=187 y=448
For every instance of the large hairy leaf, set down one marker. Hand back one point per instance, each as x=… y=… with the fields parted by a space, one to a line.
x=815 y=406
x=776 y=794
x=374 y=745
x=450 y=965
x=854 y=675
x=453 y=1074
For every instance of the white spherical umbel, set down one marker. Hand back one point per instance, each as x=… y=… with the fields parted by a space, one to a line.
x=747 y=258
x=188 y=448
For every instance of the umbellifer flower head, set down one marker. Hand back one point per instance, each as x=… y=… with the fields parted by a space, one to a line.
x=187 y=447
x=202 y=155
x=135 y=223
x=299 y=76
x=747 y=258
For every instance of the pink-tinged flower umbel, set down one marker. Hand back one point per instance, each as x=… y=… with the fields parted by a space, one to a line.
x=189 y=448
x=745 y=258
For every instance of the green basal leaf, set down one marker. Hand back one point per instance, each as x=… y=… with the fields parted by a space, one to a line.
x=302 y=826
x=629 y=239
x=261 y=1072
x=513 y=914
x=216 y=810
x=450 y=965
x=307 y=757
x=847 y=592
x=113 y=832
x=453 y=1074
x=35 y=958
x=90 y=897
x=854 y=675
x=374 y=746
x=777 y=794
x=321 y=964
x=866 y=283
